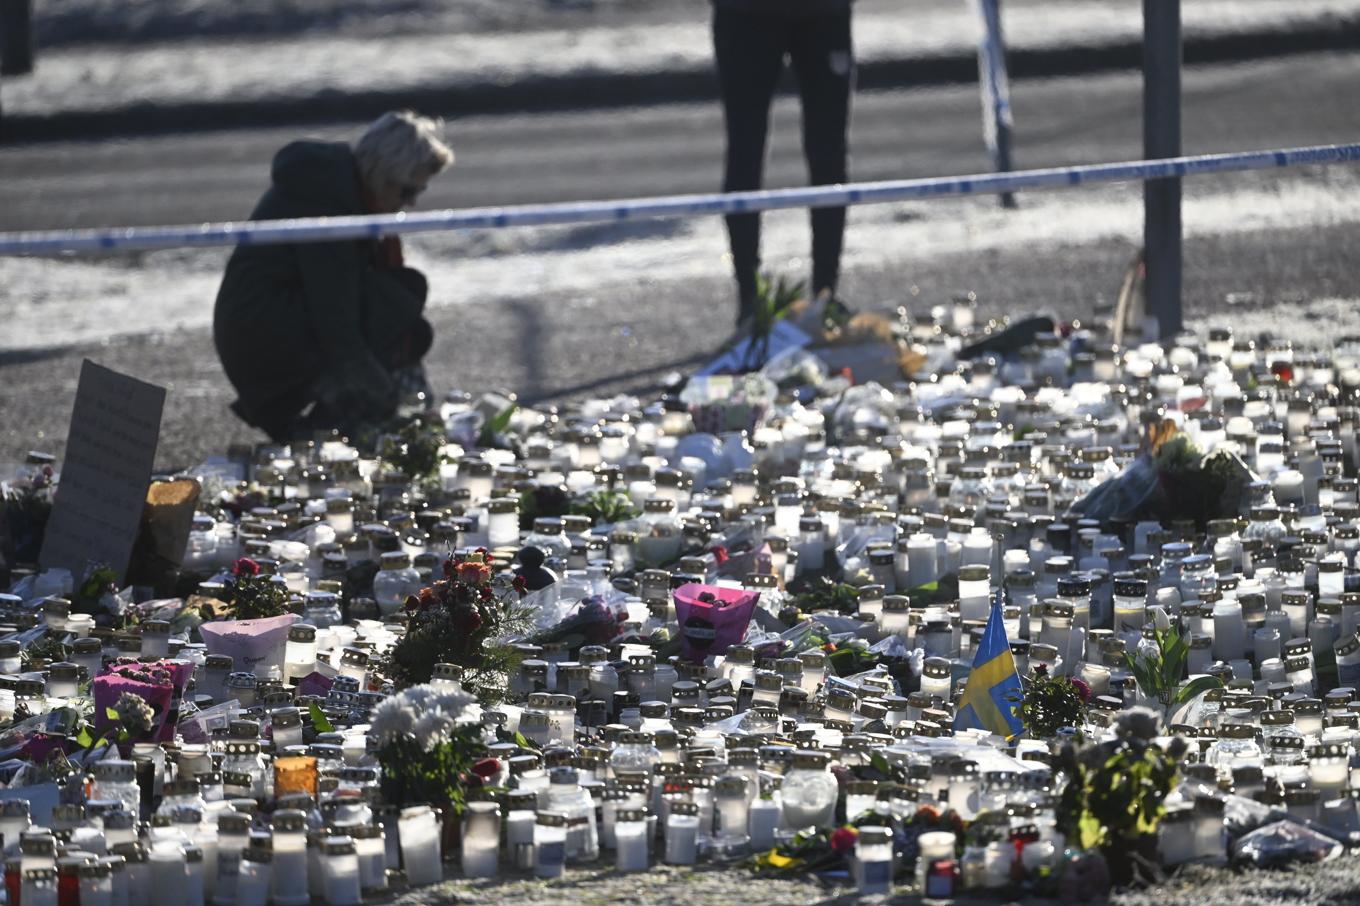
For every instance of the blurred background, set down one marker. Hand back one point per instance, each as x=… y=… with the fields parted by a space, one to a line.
x=139 y=113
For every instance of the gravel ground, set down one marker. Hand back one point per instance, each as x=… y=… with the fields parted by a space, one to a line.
x=629 y=336
x=1336 y=883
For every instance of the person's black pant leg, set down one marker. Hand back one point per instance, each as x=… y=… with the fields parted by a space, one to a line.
x=750 y=55
x=823 y=60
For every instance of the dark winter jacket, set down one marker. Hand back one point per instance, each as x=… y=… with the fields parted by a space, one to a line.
x=784 y=7
x=292 y=317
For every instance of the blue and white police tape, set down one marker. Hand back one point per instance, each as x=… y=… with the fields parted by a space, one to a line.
x=326 y=229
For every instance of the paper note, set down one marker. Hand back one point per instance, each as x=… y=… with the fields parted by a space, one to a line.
x=110 y=451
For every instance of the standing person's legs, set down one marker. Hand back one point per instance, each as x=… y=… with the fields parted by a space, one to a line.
x=750 y=54
x=823 y=59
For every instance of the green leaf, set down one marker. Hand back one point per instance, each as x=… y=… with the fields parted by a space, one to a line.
x=85 y=739
x=320 y=722
x=1197 y=686
x=111 y=714
x=496 y=426
x=880 y=764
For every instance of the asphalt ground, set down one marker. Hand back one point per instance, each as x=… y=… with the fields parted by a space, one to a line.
x=565 y=313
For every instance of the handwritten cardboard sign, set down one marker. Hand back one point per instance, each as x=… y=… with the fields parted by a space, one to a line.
x=110 y=451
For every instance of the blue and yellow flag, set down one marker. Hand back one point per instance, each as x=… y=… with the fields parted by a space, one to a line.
x=993 y=686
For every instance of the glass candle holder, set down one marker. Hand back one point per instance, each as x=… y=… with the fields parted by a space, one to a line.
x=288 y=884
x=933 y=846
x=630 y=835
x=253 y=880
x=873 y=862
x=765 y=816
x=550 y=845
x=502 y=522
x=974 y=591
x=682 y=833
x=937 y=678
x=155 y=639
x=96 y=885
x=195 y=886
x=481 y=839
x=341 y=871
x=521 y=806
x=731 y=809
x=371 y=851
x=419 y=829
x=922 y=551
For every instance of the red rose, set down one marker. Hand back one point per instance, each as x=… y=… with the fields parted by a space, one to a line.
x=720 y=555
x=487 y=768
x=245 y=567
x=1041 y=670
x=843 y=840
x=521 y=585
x=1083 y=689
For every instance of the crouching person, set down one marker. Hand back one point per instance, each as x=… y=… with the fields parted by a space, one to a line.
x=330 y=335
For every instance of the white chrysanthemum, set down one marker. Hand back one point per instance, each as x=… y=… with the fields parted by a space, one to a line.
x=392 y=718
x=433 y=728
x=420 y=697
x=454 y=701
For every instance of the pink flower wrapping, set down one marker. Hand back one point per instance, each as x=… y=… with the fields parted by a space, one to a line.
x=712 y=618
x=109 y=686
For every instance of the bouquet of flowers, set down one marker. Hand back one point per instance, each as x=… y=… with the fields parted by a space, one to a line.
x=1171 y=480
x=457 y=620
x=721 y=403
x=153 y=685
x=416 y=448
x=430 y=751
x=253 y=595
x=813 y=850
x=96 y=592
x=1051 y=702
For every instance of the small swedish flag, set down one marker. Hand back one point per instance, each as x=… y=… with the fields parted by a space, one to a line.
x=993 y=686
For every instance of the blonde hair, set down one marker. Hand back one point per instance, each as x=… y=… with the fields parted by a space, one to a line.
x=400 y=148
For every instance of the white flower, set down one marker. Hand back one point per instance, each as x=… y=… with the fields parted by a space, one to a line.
x=419 y=697
x=1160 y=619
x=391 y=719
x=433 y=728
x=1138 y=722
x=454 y=701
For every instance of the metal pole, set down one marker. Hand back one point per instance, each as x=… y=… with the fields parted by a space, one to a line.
x=995 y=89
x=1162 y=138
